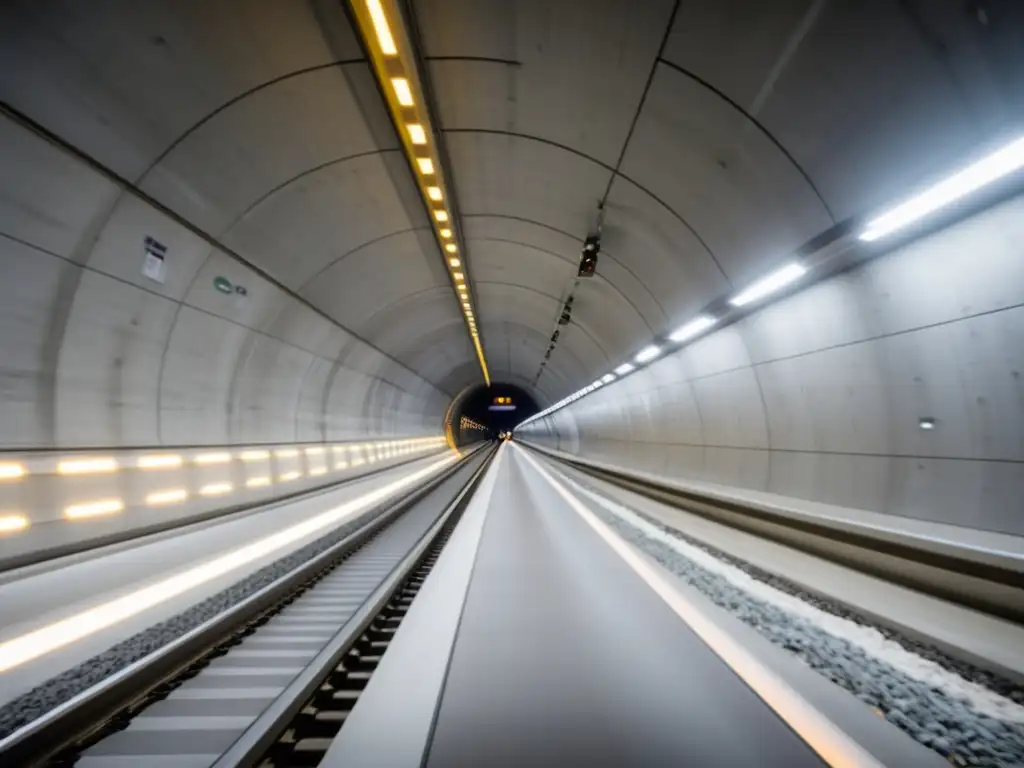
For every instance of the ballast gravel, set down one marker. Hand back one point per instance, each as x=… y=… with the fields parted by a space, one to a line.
x=41 y=699
x=945 y=723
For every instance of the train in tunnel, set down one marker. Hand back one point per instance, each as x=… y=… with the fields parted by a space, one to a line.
x=463 y=382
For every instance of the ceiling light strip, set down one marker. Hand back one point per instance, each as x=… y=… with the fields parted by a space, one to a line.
x=1002 y=163
x=391 y=52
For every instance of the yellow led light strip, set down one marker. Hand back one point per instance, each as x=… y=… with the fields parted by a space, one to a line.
x=384 y=34
x=448 y=418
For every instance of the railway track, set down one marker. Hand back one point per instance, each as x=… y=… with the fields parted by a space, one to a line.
x=277 y=674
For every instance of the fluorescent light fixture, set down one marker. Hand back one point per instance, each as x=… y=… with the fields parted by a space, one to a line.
x=991 y=168
x=418 y=136
x=441 y=215
x=93 y=509
x=647 y=353
x=452 y=248
x=257 y=482
x=11 y=470
x=458 y=276
x=315 y=451
x=623 y=369
x=159 y=461
x=9 y=523
x=380 y=26
x=86 y=466
x=286 y=453
x=426 y=167
x=434 y=193
x=608 y=378
x=254 y=455
x=926 y=423
x=290 y=476
x=402 y=91
x=216 y=489
x=315 y=471
x=454 y=263
x=774 y=282
x=446 y=233
x=212 y=458
x=597 y=384
x=169 y=496
x=692 y=328
x=68 y=630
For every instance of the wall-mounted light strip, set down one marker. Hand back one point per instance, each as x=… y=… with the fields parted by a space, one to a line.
x=205 y=459
x=93 y=509
x=20 y=649
x=76 y=467
x=1007 y=160
x=989 y=169
x=11 y=522
x=216 y=489
x=692 y=328
x=384 y=34
x=159 y=461
x=766 y=286
x=647 y=354
x=169 y=496
x=11 y=470
x=87 y=466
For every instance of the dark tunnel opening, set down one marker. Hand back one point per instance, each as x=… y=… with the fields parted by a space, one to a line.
x=485 y=412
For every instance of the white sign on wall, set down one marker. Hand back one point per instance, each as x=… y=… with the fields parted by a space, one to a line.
x=154 y=261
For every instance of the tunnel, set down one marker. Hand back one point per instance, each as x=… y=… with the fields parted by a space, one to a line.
x=652 y=368
x=487 y=413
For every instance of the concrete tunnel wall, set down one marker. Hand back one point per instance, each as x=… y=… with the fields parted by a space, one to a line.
x=99 y=358
x=819 y=396
x=276 y=124
x=98 y=355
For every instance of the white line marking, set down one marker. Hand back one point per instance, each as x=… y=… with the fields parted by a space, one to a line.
x=832 y=744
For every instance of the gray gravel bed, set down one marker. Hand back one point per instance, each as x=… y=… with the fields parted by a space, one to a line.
x=983 y=677
x=57 y=690
x=941 y=722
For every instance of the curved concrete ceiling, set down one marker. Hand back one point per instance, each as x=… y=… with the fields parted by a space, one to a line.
x=718 y=137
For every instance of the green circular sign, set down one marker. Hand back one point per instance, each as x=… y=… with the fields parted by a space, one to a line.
x=223 y=285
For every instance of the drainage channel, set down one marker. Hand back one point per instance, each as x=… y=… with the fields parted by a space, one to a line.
x=241 y=691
